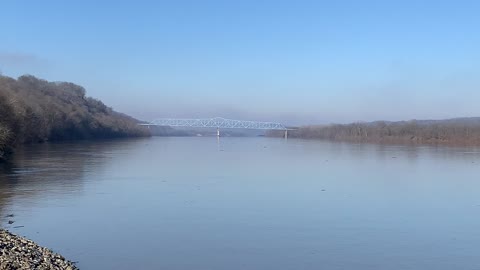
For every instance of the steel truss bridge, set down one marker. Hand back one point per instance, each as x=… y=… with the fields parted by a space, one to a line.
x=218 y=123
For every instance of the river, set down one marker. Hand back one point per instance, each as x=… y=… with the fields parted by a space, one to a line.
x=247 y=203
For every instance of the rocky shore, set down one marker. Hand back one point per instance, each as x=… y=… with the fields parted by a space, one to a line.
x=19 y=253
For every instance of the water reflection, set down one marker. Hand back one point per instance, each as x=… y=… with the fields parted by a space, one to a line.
x=247 y=203
x=51 y=170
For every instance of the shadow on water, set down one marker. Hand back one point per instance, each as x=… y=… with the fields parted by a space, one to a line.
x=42 y=171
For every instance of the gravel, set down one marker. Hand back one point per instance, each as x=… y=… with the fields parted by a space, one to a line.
x=19 y=253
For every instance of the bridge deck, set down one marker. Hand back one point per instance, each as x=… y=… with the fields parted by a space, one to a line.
x=216 y=122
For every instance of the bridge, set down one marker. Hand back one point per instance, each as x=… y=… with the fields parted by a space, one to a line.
x=218 y=123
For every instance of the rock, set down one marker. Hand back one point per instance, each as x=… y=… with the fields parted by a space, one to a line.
x=22 y=254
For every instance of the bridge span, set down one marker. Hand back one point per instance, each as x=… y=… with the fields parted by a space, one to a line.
x=218 y=123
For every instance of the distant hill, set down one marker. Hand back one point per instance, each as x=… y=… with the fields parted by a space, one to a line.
x=457 y=131
x=458 y=120
x=35 y=110
x=461 y=120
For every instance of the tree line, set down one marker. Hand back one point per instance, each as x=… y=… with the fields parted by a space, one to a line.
x=35 y=110
x=460 y=131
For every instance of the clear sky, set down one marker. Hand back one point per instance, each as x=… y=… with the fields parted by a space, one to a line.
x=292 y=61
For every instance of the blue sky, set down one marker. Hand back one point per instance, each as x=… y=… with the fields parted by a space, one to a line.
x=291 y=61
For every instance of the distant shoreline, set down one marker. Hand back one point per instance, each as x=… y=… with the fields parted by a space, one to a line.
x=450 y=132
x=391 y=142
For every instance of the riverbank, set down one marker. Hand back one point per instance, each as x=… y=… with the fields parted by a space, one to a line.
x=33 y=110
x=19 y=253
x=449 y=132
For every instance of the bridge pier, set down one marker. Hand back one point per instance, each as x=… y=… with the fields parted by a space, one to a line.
x=218 y=132
x=286 y=133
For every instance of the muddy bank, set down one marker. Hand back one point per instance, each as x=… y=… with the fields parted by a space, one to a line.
x=19 y=253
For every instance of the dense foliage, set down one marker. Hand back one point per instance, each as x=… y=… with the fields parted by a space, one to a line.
x=462 y=131
x=35 y=110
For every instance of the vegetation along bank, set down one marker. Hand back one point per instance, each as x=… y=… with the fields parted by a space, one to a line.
x=33 y=110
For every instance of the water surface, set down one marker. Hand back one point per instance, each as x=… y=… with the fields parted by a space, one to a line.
x=247 y=203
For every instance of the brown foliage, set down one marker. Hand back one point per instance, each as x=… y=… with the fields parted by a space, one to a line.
x=35 y=110
x=462 y=131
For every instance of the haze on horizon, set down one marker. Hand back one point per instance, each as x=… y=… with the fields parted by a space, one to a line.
x=299 y=62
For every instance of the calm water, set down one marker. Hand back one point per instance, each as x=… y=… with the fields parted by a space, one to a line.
x=247 y=203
